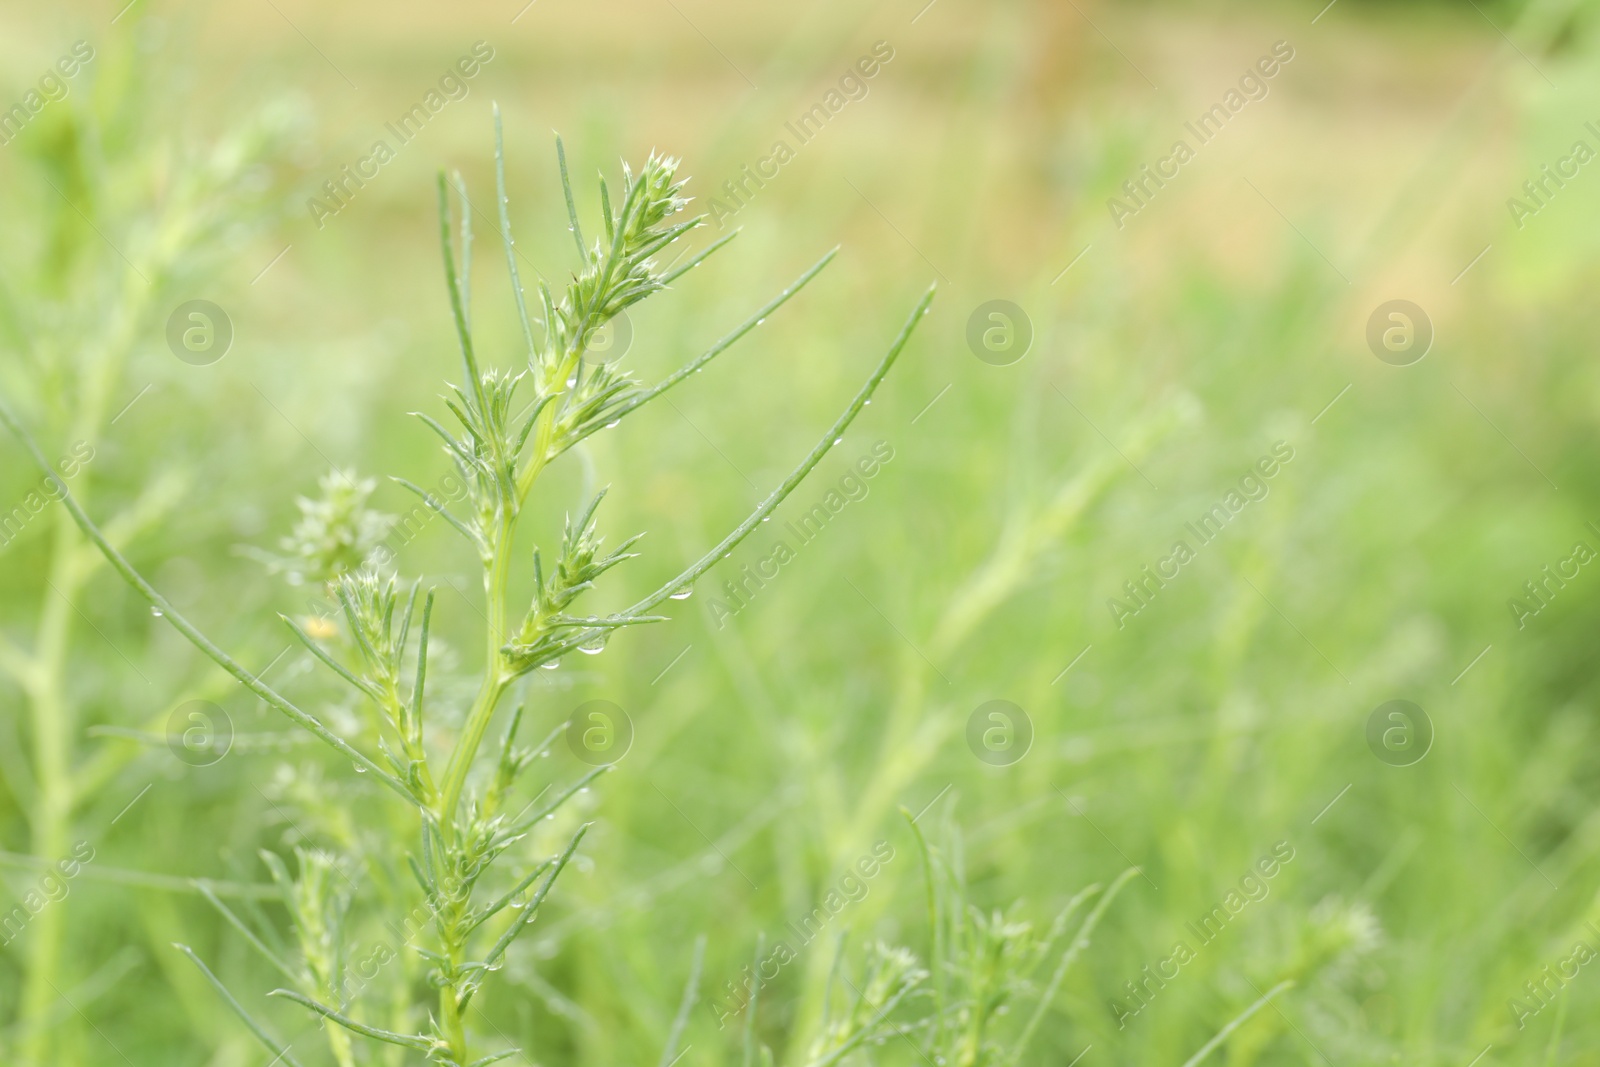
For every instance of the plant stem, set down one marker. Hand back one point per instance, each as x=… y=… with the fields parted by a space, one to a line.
x=53 y=714
x=496 y=575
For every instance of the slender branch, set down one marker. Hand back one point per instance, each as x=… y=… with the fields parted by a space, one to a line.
x=505 y=232
x=727 y=342
x=691 y=993
x=415 y=1041
x=1080 y=941
x=743 y=530
x=1238 y=1021
x=188 y=629
x=274 y=1046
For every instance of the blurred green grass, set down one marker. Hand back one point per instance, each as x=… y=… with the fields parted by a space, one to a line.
x=1221 y=720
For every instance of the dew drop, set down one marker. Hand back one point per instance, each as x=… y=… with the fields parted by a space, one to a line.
x=761 y=322
x=594 y=649
x=838 y=440
x=612 y=423
x=867 y=404
x=359 y=768
x=550 y=818
x=552 y=665
x=766 y=518
x=682 y=594
x=155 y=611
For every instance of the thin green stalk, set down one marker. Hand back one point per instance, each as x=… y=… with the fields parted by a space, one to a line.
x=497 y=575
x=1237 y=1021
x=184 y=626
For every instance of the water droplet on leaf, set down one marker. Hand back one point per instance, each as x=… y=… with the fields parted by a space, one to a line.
x=682 y=594
x=155 y=611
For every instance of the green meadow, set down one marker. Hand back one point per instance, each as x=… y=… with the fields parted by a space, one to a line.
x=1083 y=555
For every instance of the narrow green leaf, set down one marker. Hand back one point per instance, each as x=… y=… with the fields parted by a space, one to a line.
x=188 y=629
x=1237 y=1021
x=500 y=905
x=572 y=205
x=1080 y=941
x=691 y=993
x=421 y=1042
x=422 y=670
x=316 y=649
x=276 y=1047
x=496 y=1058
x=527 y=910
x=749 y=1053
x=743 y=530
x=444 y=512
x=466 y=248
x=249 y=934
x=505 y=234
x=469 y=359
x=935 y=925
x=566 y=795
x=727 y=342
x=699 y=258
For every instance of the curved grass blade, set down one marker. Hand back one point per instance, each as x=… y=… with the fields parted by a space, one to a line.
x=276 y=1047
x=727 y=342
x=1238 y=1021
x=469 y=359
x=249 y=934
x=185 y=627
x=672 y=276
x=691 y=993
x=1080 y=941
x=743 y=530
x=505 y=233
x=572 y=205
x=328 y=661
x=416 y=1041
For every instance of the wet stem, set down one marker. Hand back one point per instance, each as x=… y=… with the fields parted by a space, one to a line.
x=496 y=578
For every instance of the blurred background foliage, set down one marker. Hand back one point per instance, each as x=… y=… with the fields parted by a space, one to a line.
x=773 y=751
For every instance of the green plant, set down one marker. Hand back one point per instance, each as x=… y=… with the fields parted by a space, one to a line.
x=951 y=1010
x=382 y=650
x=124 y=219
